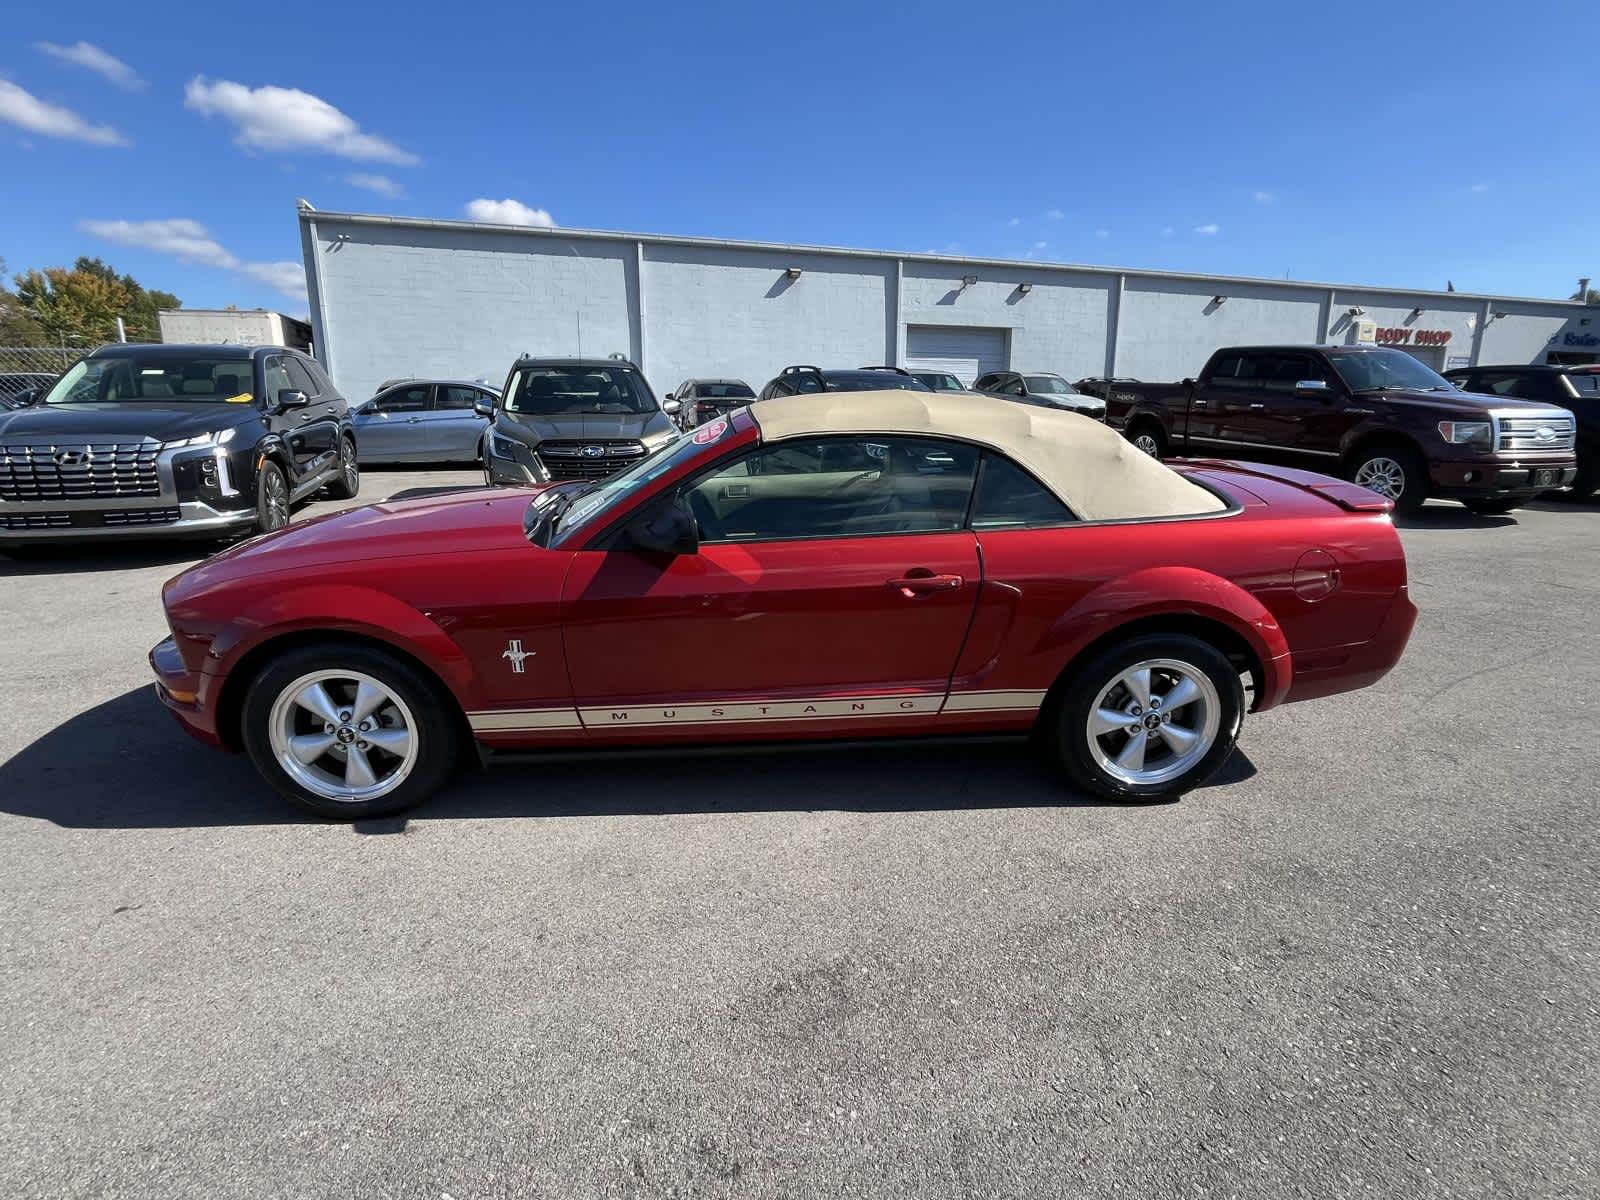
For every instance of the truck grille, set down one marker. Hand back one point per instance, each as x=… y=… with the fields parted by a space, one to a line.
x=1523 y=433
x=82 y=471
x=142 y=516
x=116 y=518
x=588 y=460
x=55 y=520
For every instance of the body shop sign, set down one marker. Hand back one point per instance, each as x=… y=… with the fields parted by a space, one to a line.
x=1399 y=335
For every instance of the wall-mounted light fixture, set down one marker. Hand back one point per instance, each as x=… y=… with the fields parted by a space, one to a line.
x=342 y=237
x=1498 y=316
x=792 y=273
x=1415 y=313
x=1355 y=311
x=968 y=280
x=1024 y=288
x=1218 y=301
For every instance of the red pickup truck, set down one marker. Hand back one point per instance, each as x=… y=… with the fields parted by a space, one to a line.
x=1372 y=414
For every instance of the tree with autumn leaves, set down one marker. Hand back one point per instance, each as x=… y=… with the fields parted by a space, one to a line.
x=79 y=305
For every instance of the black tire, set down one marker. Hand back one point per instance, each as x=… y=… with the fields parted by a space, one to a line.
x=272 y=498
x=1588 y=480
x=1066 y=737
x=1148 y=430
x=1413 y=473
x=434 y=726
x=1492 y=508
x=346 y=482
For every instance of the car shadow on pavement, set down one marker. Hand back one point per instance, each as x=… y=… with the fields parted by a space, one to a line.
x=125 y=764
x=69 y=559
x=1450 y=516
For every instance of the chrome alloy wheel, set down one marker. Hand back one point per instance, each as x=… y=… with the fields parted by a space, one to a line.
x=343 y=735
x=1147 y=442
x=348 y=467
x=1154 y=721
x=277 y=498
x=1383 y=475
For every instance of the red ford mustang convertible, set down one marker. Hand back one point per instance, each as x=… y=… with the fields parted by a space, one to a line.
x=847 y=565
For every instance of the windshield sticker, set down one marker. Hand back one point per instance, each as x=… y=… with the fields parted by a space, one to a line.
x=707 y=434
x=241 y=398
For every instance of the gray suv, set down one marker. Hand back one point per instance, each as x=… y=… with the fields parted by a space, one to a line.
x=573 y=418
x=1042 y=388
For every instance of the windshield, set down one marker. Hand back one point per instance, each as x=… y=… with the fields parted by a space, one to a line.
x=1370 y=370
x=723 y=391
x=939 y=381
x=161 y=377
x=611 y=491
x=548 y=390
x=1048 y=385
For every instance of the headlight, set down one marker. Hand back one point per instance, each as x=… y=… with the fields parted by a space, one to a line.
x=1467 y=433
x=502 y=447
x=216 y=438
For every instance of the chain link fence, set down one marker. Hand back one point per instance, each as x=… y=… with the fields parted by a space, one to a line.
x=25 y=369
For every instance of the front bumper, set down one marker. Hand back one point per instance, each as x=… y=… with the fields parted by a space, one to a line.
x=1486 y=478
x=180 y=690
x=108 y=521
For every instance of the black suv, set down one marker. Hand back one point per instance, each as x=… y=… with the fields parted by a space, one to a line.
x=1576 y=389
x=801 y=380
x=135 y=441
x=573 y=418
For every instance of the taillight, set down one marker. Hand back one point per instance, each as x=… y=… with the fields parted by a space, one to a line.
x=705 y=408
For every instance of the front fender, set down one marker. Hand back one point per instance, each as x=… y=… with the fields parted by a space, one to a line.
x=1185 y=592
x=341 y=608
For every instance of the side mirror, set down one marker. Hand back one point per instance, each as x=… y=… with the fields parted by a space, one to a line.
x=667 y=529
x=292 y=398
x=671 y=407
x=1314 y=387
x=26 y=397
x=668 y=396
x=483 y=406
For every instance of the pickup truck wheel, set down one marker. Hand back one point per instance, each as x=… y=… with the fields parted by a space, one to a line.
x=1149 y=439
x=348 y=732
x=1154 y=716
x=1393 y=471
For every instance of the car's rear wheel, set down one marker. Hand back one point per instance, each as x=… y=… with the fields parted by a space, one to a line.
x=348 y=731
x=1154 y=716
x=347 y=482
x=272 y=498
x=1393 y=471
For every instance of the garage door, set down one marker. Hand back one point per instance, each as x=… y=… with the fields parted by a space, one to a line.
x=965 y=353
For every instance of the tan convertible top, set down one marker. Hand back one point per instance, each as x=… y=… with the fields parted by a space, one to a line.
x=1089 y=466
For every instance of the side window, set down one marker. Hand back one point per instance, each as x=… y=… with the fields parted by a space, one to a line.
x=410 y=398
x=302 y=377
x=1009 y=498
x=456 y=398
x=804 y=384
x=984 y=383
x=324 y=384
x=1225 y=368
x=1013 y=387
x=837 y=487
x=277 y=378
x=1503 y=385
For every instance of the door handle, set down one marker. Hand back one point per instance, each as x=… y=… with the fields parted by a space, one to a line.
x=307 y=416
x=413 y=420
x=1199 y=403
x=924 y=583
x=1258 y=406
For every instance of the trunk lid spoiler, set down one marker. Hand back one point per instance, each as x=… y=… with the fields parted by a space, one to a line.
x=1351 y=497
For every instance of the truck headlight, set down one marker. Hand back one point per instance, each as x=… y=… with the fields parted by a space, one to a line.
x=1468 y=433
x=502 y=447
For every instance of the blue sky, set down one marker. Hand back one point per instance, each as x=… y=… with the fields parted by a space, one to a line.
x=1401 y=146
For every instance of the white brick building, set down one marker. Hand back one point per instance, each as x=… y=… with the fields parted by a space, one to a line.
x=393 y=296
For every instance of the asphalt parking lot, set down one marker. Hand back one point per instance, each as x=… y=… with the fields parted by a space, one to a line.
x=1362 y=964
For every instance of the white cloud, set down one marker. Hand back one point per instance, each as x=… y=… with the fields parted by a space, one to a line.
x=1208 y=229
x=1479 y=187
x=1167 y=231
x=1040 y=245
x=381 y=184
x=275 y=118
x=85 y=54
x=1055 y=214
x=1102 y=234
x=191 y=242
x=35 y=115
x=1263 y=197
x=509 y=212
x=1014 y=222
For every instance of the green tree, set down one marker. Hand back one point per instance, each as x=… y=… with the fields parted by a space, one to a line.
x=82 y=304
x=1592 y=296
x=17 y=327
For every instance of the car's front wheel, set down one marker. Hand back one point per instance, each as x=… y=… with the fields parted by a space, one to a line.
x=1153 y=716
x=348 y=731
x=1147 y=436
x=1394 y=471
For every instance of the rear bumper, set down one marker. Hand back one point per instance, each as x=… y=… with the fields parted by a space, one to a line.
x=179 y=689
x=1357 y=665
